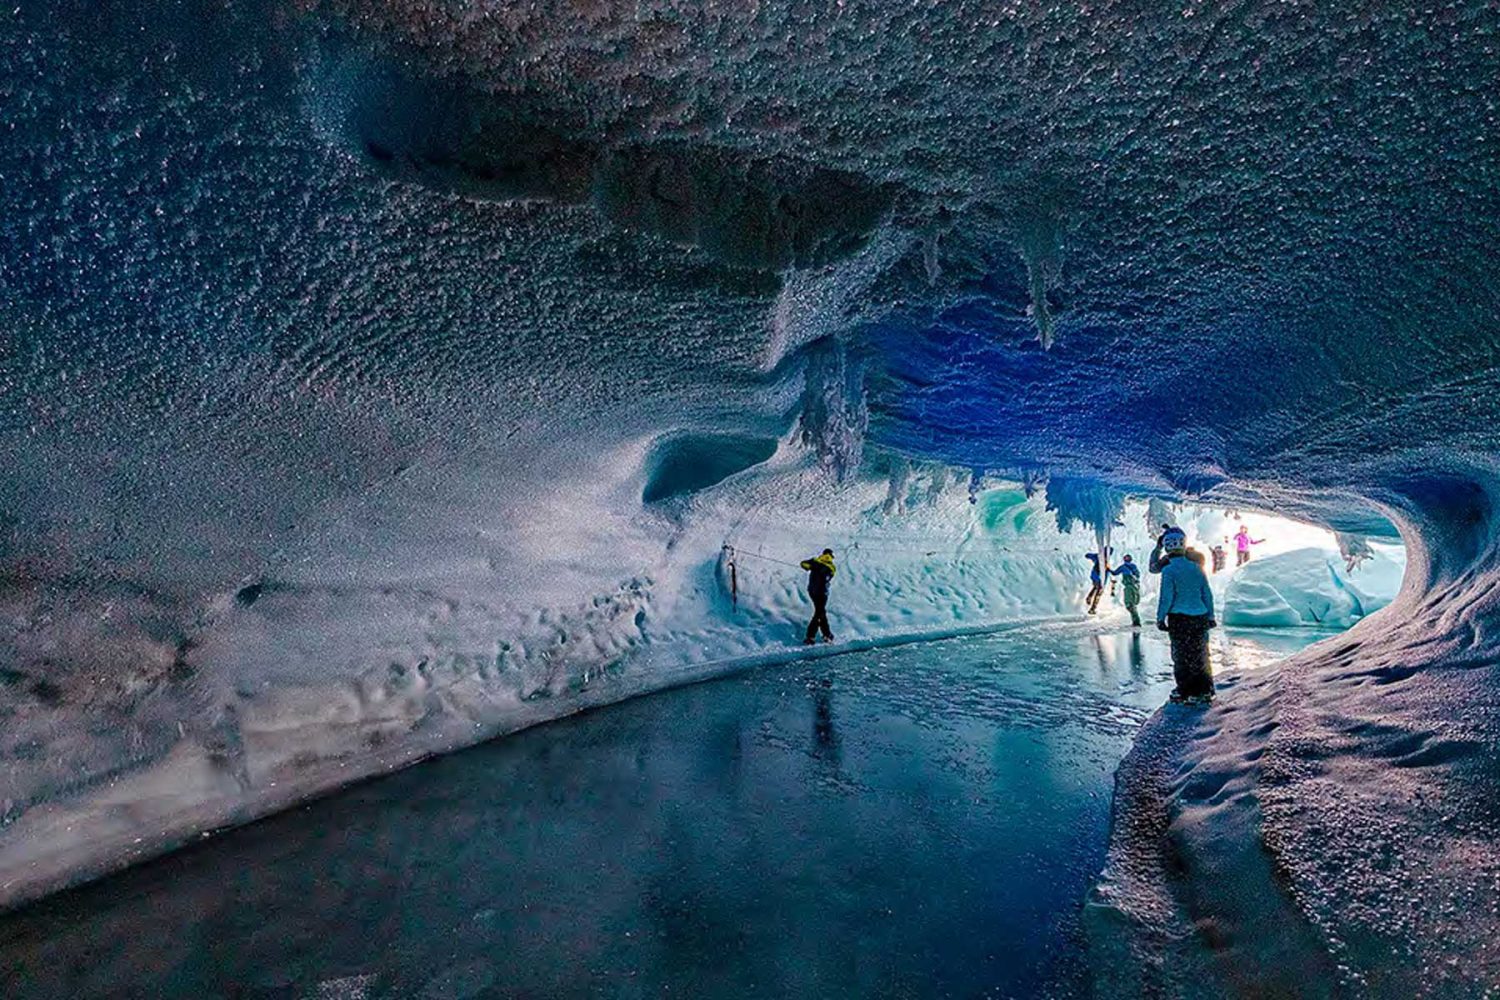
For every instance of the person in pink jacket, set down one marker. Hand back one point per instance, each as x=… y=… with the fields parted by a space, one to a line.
x=1242 y=543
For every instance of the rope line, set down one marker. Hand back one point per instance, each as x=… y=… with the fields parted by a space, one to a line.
x=965 y=549
x=734 y=553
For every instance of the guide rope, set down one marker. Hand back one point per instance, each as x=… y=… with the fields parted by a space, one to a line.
x=731 y=552
x=732 y=557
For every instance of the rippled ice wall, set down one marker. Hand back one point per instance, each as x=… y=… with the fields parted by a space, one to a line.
x=133 y=722
x=132 y=727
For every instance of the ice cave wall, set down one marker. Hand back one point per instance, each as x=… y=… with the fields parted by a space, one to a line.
x=456 y=614
x=418 y=627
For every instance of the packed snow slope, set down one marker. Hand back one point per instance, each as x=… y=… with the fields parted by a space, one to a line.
x=377 y=375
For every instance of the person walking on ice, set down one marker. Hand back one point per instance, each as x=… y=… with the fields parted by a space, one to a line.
x=1242 y=543
x=1130 y=580
x=820 y=570
x=1185 y=611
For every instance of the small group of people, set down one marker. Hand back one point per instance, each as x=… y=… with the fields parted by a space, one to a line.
x=1184 y=609
x=1242 y=543
x=1130 y=580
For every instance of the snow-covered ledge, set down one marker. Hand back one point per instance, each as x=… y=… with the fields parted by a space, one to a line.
x=1332 y=825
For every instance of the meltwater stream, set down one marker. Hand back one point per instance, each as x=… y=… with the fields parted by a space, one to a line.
x=916 y=821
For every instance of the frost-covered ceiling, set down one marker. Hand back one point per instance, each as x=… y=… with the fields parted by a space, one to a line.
x=1261 y=234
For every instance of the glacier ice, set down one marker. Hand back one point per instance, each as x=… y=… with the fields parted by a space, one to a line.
x=637 y=847
x=341 y=343
x=1312 y=587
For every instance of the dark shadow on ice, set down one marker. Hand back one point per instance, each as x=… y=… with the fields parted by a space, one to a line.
x=825 y=736
x=686 y=463
x=744 y=210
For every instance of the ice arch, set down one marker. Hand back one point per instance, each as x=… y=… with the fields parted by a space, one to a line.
x=1296 y=826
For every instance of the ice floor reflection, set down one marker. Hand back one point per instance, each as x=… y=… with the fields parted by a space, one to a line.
x=917 y=821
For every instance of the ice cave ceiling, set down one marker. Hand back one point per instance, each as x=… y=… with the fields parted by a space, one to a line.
x=1261 y=234
x=379 y=376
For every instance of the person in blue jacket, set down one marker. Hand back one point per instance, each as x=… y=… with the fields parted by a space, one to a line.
x=1130 y=581
x=1185 y=611
x=1096 y=582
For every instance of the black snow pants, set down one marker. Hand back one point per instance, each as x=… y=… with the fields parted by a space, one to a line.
x=819 y=618
x=1189 y=635
x=1096 y=591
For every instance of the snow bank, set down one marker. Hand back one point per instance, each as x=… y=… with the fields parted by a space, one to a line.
x=1311 y=586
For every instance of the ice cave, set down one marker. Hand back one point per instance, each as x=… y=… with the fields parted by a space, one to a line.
x=418 y=418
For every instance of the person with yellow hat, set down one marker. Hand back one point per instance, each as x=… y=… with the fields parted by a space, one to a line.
x=820 y=572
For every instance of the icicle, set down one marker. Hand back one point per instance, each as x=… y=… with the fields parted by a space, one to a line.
x=835 y=414
x=1083 y=501
x=1041 y=248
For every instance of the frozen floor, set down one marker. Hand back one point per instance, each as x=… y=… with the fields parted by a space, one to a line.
x=916 y=821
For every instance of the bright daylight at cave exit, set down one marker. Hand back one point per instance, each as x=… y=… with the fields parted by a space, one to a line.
x=749 y=498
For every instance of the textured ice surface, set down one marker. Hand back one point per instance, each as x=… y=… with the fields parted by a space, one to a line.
x=1312 y=586
x=1329 y=828
x=825 y=829
x=342 y=339
x=314 y=684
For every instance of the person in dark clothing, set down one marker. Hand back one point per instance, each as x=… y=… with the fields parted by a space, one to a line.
x=1188 y=635
x=1220 y=559
x=1185 y=610
x=1096 y=581
x=820 y=570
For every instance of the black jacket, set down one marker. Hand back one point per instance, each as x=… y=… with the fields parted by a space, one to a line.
x=819 y=571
